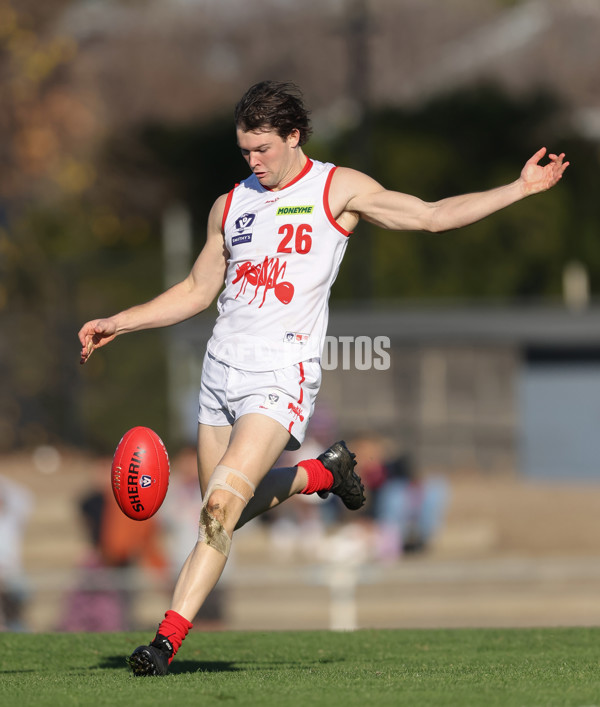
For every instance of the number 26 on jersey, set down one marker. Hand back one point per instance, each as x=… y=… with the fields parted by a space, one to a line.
x=295 y=238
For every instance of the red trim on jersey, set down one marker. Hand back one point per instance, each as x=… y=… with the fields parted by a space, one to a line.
x=305 y=170
x=226 y=209
x=328 y=213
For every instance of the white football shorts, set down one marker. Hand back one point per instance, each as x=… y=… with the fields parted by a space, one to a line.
x=286 y=394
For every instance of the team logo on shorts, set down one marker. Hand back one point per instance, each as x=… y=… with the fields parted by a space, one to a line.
x=296 y=411
x=145 y=481
x=244 y=226
x=271 y=401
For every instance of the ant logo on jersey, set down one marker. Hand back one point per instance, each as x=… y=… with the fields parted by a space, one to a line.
x=243 y=226
x=269 y=275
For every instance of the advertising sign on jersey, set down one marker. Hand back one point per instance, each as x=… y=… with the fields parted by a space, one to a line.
x=293 y=212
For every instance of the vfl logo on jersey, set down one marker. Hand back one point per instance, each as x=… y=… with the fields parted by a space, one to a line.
x=145 y=481
x=243 y=225
x=293 y=337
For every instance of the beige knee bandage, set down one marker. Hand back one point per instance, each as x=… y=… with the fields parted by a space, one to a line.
x=211 y=530
x=228 y=479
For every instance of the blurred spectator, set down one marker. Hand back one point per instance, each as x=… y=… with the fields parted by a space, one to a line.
x=406 y=508
x=118 y=545
x=16 y=504
x=180 y=516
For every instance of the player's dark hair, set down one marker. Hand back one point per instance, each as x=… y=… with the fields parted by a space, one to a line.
x=275 y=105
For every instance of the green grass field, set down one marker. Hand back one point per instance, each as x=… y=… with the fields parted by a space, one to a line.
x=508 y=667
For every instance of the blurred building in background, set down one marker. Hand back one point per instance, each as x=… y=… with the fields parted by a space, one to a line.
x=189 y=59
x=485 y=390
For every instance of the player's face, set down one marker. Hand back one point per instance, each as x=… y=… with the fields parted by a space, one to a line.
x=273 y=159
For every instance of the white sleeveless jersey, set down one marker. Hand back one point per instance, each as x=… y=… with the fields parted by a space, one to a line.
x=285 y=250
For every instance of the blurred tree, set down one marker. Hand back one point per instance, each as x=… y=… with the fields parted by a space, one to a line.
x=31 y=131
x=38 y=116
x=67 y=251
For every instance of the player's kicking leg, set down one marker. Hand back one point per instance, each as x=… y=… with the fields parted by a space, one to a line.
x=233 y=501
x=331 y=472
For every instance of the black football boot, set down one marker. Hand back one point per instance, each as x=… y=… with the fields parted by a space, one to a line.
x=346 y=482
x=152 y=659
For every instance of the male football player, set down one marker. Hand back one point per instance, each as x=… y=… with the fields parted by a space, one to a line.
x=276 y=240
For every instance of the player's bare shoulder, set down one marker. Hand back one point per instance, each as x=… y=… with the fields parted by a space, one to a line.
x=214 y=254
x=215 y=236
x=347 y=187
x=216 y=216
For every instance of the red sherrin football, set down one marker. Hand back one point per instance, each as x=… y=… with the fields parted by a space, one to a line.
x=140 y=473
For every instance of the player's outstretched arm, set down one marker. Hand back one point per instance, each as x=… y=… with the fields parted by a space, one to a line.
x=397 y=211
x=182 y=301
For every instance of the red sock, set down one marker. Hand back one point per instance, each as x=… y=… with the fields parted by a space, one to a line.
x=174 y=627
x=319 y=478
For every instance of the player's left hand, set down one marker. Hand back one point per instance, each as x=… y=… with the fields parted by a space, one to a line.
x=536 y=178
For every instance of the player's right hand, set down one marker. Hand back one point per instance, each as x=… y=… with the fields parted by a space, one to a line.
x=95 y=334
